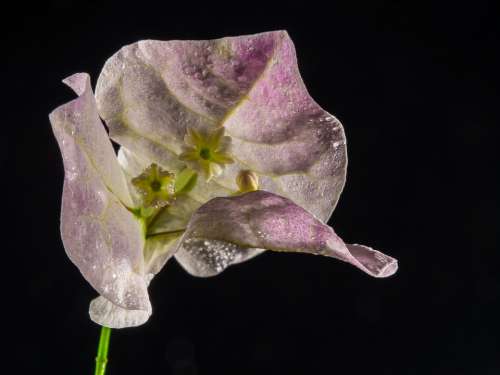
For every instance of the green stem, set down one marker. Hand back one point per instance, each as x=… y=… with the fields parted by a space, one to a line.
x=102 y=351
x=172 y=232
x=153 y=218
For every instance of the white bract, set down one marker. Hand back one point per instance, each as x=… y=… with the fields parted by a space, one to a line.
x=223 y=155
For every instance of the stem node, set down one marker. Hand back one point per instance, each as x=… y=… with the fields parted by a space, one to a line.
x=102 y=351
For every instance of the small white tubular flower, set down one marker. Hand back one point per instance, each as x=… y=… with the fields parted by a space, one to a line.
x=206 y=152
x=181 y=112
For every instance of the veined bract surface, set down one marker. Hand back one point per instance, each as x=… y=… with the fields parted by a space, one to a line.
x=223 y=155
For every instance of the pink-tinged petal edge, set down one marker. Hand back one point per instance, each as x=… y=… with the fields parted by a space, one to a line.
x=222 y=230
x=151 y=91
x=100 y=236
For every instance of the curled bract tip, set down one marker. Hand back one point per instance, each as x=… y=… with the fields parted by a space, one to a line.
x=223 y=230
x=223 y=155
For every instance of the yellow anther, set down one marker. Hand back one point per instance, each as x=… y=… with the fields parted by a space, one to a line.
x=247 y=181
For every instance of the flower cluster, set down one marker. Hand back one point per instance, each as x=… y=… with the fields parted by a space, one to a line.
x=223 y=155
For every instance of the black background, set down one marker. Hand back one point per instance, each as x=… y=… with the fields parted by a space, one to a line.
x=416 y=87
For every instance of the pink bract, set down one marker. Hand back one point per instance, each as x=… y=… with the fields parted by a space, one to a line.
x=148 y=94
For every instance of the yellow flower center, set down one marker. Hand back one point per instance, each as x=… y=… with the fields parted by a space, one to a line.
x=207 y=151
x=156 y=186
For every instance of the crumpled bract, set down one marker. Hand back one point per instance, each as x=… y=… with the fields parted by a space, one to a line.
x=219 y=107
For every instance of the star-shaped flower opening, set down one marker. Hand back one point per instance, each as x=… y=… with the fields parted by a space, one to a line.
x=156 y=186
x=207 y=152
x=234 y=109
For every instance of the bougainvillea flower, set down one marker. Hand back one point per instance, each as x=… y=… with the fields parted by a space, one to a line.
x=223 y=155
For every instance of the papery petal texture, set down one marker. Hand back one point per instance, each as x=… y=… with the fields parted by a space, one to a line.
x=100 y=235
x=224 y=229
x=108 y=314
x=175 y=217
x=150 y=92
x=172 y=220
x=80 y=120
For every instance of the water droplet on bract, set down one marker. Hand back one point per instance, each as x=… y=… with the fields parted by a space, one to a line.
x=188 y=69
x=212 y=255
